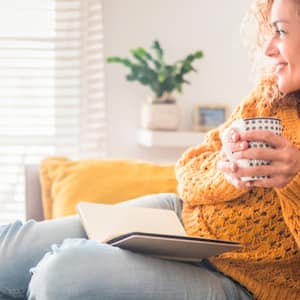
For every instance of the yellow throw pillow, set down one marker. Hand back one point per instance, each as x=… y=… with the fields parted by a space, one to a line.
x=65 y=182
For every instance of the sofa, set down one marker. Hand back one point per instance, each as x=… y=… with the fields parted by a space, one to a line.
x=33 y=196
x=53 y=188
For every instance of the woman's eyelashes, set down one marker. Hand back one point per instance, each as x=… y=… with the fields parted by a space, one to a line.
x=280 y=32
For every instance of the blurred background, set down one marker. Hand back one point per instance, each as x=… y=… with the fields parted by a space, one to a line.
x=58 y=96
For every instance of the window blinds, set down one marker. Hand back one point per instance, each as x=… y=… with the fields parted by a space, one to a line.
x=51 y=89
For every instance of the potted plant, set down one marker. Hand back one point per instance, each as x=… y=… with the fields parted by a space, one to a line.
x=161 y=111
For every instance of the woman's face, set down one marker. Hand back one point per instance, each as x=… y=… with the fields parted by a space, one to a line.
x=284 y=46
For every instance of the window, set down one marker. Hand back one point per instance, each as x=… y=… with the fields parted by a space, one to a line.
x=51 y=89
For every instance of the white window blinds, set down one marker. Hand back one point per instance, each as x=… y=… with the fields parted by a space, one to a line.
x=51 y=89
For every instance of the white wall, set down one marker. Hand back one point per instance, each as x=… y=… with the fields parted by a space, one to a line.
x=182 y=26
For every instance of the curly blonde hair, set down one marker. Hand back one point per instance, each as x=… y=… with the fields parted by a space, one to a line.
x=262 y=12
x=260 y=15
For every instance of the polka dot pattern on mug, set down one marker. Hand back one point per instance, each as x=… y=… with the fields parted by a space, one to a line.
x=260 y=123
x=270 y=124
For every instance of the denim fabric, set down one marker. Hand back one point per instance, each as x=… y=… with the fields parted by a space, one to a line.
x=54 y=260
x=22 y=246
x=83 y=269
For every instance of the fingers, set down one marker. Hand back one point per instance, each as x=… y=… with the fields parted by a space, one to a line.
x=235 y=145
x=257 y=171
x=276 y=181
x=285 y=159
x=239 y=146
x=229 y=170
x=233 y=174
x=235 y=181
x=227 y=166
x=263 y=136
x=233 y=170
x=259 y=154
x=235 y=137
x=234 y=178
x=283 y=155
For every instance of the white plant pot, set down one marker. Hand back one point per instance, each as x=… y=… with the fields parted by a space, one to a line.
x=160 y=116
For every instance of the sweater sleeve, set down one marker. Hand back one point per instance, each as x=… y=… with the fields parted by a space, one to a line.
x=289 y=197
x=199 y=180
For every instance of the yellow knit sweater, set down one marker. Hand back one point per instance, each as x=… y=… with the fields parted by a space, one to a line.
x=265 y=220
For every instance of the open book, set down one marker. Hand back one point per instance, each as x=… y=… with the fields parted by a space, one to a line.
x=151 y=231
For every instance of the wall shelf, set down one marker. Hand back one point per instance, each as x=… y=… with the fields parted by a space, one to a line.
x=179 y=139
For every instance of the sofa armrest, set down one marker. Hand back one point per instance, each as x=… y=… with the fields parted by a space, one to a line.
x=33 y=198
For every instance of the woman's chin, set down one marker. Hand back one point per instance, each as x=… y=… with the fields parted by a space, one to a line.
x=287 y=88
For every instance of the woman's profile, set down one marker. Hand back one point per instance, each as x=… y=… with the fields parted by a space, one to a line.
x=55 y=260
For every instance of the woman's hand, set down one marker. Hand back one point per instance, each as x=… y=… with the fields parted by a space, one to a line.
x=284 y=157
x=231 y=169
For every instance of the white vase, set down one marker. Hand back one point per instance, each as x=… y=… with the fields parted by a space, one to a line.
x=160 y=116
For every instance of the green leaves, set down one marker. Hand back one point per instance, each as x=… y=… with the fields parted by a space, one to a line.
x=154 y=72
x=158 y=50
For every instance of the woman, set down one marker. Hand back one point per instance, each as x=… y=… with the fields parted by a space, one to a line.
x=264 y=215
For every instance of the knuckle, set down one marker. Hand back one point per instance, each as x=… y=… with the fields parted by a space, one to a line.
x=286 y=156
x=285 y=169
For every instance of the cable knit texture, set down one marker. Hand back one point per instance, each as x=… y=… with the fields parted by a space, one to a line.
x=265 y=220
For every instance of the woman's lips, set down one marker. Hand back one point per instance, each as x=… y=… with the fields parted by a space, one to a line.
x=279 y=67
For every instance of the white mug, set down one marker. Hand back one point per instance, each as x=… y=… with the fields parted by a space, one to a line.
x=243 y=125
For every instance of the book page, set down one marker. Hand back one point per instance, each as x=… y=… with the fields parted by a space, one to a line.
x=103 y=222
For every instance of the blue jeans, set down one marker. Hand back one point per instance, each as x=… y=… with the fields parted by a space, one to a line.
x=53 y=260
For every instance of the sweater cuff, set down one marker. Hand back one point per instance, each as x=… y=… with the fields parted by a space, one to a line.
x=292 y=189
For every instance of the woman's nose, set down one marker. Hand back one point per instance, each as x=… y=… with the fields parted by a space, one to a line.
x=270 y=48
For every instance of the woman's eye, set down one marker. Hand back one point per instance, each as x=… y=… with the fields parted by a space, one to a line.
x=280 y=32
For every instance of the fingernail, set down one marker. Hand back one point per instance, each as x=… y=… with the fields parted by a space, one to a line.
x=237 y=136
x=233 y=137
x=243 y=145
